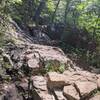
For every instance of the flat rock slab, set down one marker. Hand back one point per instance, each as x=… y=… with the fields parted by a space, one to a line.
x=82 y=79
x=80 y=76
x=71 y=93
x=85 y=87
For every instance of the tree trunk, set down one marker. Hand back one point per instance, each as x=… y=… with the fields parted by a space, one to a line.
x=38 y=11
x=94 y=30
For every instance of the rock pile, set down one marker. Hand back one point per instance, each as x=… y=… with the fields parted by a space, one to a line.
x=75 y=86
x=52 y=87
x=35 y=75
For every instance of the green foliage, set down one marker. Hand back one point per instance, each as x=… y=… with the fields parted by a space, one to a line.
x=15 y=1
x=55 y=66
x=82 y=55
x=90 y=13
x=3 y=20
x=3 y=67
x=61 y=68
x=95 y=92
x=93 y=59
x=50 y=6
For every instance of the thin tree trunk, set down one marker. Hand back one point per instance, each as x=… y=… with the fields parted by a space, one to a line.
x=66 y=11
x=53 y=16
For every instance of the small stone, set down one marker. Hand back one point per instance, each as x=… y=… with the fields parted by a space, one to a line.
x=71 y=93
x=59 y=94
x=39 y=82
x=33 y=63
x=42 y=95
x=24 y=86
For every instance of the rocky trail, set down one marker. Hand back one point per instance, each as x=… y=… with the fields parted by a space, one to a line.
x=30 y=71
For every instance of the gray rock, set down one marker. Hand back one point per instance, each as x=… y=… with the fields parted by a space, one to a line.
x=11 y=93
x=39 y=82
x=24 y=86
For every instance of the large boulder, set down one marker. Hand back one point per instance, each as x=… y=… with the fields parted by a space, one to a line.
x=49 y=53
x=38 y=56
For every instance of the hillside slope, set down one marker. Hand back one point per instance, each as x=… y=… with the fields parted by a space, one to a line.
x=30 y=71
